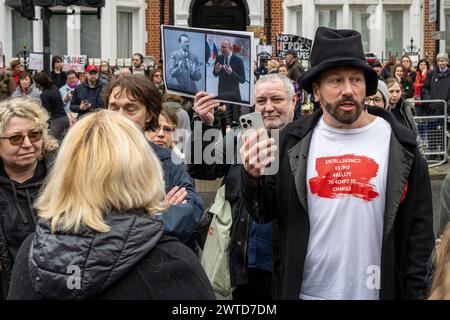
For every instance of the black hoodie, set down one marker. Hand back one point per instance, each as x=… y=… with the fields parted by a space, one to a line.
x=17 y=216
x=131 y=261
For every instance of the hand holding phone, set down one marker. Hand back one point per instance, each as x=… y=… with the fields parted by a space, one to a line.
x=258 y=150
x=85 y=104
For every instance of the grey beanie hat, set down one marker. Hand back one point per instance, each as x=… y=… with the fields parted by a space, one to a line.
x=384 y=91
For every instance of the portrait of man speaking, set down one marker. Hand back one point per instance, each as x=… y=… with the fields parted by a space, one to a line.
x=184 y=67
x=230 y=70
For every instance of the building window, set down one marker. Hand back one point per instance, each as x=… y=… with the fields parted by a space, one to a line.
x=90 y=36
x=447 y=33
x=58 y=35
x=124 y=34
x=328 y=18
x=22 y=34
x=394 y=32
x=299 y=20
x=360 y=19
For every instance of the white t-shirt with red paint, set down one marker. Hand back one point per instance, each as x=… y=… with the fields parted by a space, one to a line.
x=346 y=183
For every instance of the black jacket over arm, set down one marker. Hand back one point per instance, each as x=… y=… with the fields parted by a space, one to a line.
x=408 y=237
x=225 y=164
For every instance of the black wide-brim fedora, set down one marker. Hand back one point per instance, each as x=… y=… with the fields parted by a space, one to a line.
x=338 y=48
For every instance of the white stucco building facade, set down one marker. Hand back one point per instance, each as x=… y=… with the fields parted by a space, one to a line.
x=386 y=25
x=120 y=32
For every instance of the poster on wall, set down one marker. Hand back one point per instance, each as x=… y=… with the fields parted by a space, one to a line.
x=76 y=63
x=287 y=42
x=216 y=61
x=36 y=61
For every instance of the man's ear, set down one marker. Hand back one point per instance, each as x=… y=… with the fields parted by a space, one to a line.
x=294 y=100
x=316 y=92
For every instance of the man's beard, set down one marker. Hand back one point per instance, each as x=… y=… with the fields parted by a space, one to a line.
x=344 y=117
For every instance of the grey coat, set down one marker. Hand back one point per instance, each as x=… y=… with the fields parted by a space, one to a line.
x=32 y=92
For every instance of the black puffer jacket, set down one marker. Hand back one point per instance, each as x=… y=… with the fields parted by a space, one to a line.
x=131 y=261
x=17 y=216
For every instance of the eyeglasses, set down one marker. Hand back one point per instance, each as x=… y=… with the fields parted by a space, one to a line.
x=165 y=129
x=17 y=139
x=374 y=100
x=157 y=75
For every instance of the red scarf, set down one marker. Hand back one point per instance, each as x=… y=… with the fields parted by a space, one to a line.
x=418 y=84
x=16 y=77
x=24 y=91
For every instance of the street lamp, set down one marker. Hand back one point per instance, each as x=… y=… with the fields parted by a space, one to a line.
x=23 y=54
x=412 y=50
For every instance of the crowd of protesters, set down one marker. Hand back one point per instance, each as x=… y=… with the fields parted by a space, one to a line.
x=97 y=179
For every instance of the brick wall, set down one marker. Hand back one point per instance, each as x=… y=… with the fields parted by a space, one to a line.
x=277 y=16
x=429 y=46
x=277 y=19
x=153 y=27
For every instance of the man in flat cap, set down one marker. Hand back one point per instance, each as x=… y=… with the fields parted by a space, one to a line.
x=352 y=195
x=295 y=68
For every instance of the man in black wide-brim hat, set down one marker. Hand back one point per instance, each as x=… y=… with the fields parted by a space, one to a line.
x=352 y=195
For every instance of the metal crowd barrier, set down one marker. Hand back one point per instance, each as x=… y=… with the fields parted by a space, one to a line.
x=433 y=131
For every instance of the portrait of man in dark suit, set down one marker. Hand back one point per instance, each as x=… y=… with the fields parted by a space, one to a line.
x=184 y=67
x=230 y=70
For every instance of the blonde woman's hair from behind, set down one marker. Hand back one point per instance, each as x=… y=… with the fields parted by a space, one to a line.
x=104 y=164
x=30 y=109
x=273 y=64
x=440 y=263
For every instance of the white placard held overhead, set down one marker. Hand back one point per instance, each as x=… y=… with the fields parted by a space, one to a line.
x=36 y=61
x=76 y=63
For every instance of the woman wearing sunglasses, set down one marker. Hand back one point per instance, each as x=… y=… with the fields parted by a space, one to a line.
x=25 y=151
x=156 y=76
